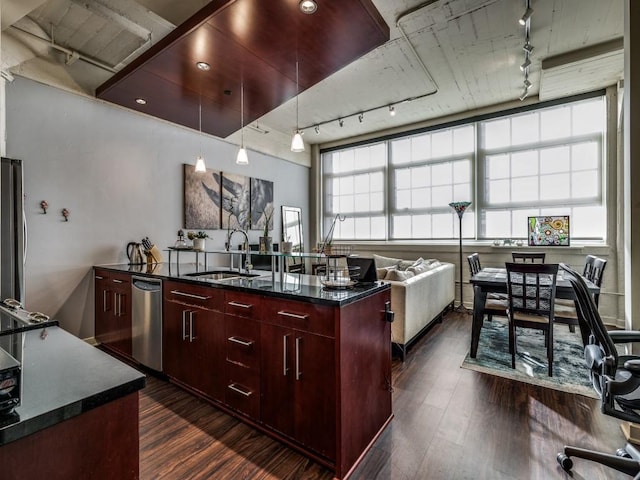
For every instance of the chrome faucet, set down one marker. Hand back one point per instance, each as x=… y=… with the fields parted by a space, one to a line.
x=247 y=262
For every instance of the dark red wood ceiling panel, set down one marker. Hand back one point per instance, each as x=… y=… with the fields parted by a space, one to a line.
x=256 y=42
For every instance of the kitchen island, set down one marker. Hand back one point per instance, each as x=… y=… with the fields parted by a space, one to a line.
x=311 y=367
x=78 y=412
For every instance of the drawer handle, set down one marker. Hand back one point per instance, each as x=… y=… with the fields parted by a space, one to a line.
x=241 y=305
x=244 y=343
x=236 y=388
x=190 y=295
x=293 y=315
x=115 y=280
x=98 y=277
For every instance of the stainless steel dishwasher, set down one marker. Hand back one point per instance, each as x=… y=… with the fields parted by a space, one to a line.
x=146 y=321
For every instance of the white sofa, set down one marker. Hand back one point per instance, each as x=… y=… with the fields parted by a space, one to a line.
x=421 y=292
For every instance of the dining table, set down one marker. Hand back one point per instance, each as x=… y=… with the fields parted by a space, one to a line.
x=494 y=280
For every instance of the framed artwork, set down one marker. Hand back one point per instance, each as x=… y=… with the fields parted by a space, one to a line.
x=261 y=203
x=549 y=231
x=202 y=200
x=235 y=201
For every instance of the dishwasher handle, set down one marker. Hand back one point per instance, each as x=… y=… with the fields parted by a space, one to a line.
x=146 y=283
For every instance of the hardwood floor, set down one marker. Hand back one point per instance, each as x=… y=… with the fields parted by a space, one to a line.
x=450 y=423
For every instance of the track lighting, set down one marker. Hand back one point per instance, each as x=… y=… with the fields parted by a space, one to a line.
x=341 y=122
x=392 y=110
x=528 y=48
x=361 y=117
x=525 y=92
x=317 y=129
x=526 y=16
x=527 y=84
x=526 y=64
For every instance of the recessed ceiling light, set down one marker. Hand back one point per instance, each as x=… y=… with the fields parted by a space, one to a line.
x=308 y=6
x=141 y=101
x=203 y=66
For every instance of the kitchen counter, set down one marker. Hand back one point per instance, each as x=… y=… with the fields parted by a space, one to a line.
x=294 y=285
x=62 y=377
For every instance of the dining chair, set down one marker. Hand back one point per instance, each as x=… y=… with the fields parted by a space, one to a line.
x=565 y=309
x=532 y=292
x=525 y=257
x=496 y=303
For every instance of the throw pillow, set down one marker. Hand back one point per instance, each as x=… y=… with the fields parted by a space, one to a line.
x=405 y=264
x=398 y=275
x=420 y=268
x=383 y=262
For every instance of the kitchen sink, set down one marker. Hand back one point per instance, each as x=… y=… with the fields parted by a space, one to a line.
x=221 y=275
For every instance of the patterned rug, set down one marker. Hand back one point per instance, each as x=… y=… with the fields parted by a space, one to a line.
x=570 y=372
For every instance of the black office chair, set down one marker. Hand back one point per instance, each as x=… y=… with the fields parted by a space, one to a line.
x=525 y=257
x=565 y=309
x=615 y=378
x=532 y=293
x=496 y=303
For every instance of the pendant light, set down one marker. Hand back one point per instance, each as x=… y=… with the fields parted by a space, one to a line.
x=297 y=145
x=200 y=165
x=242 y=158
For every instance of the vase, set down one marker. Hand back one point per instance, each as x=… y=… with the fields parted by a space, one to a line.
x=198 y=244
x=265 y=244
x=286 y=247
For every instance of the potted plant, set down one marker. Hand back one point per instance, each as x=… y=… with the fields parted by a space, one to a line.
x=265 y=240
x=198 y=240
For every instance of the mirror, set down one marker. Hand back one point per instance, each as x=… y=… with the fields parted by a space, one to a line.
x=292 y=232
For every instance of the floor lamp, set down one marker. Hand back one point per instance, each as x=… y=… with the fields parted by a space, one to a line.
x=460 y=208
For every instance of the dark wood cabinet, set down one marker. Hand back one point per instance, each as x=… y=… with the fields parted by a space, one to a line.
x=298 y=387
x=113 y=310
x=242 y=362
x=193 y=338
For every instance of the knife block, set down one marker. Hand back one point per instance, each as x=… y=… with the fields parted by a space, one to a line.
x=154 y=255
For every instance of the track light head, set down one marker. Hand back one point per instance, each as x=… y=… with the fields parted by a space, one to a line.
x=392 y=110
x=361 y=117
x=528 y=48
x=526 y=64
x=524 y=95
x=317 y=129
x=526 y=16
x=527 y=84
x=341 y=122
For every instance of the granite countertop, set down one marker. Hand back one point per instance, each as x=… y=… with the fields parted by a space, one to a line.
x=62 y=377
x=295 y=286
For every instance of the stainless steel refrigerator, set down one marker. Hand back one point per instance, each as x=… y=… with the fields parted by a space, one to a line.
x=13 y=235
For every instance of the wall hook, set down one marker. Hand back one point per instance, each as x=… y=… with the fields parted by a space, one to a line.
x=44 y=205
x=65 y=214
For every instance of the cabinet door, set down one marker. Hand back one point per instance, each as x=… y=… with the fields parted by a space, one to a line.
x=315 y=387
x=205 y=345
x=277 y=345
x=176 y=359
x=122 y=315
x=105 y=322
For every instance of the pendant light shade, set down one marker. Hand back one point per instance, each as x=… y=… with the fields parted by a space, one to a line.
x=200 y=165
x=297 y=144
x=242 y=158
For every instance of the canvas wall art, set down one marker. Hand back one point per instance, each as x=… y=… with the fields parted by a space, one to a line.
x=261 y=204
x=235 y=201
x=202 y=200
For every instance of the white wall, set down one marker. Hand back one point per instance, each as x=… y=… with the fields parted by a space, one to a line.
x=120 y=175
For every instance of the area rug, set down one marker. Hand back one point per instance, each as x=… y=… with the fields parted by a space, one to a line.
x=570 y=373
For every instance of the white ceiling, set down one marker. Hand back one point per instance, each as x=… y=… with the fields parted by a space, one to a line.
x=449 y=56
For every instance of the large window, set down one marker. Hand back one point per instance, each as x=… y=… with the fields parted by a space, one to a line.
x=547 y=161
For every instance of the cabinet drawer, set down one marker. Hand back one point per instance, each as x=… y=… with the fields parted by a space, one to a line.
x=101 y=275
x=242 y=341
x=242 y=304
x=120 y=279
x=197 y=295
x=242 y=392
x=299 y=315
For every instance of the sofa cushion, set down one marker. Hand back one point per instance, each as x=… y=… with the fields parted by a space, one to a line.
x=398 y=275
x=420 y=268
x=381 y=273
x=404 y=264
x=383 y=262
